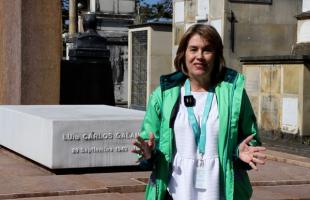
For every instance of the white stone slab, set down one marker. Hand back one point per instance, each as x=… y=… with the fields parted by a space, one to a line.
x=59 y=136
x=289 y=122
x=305 y=5
x=202 y=10
x=217 y=24
x=303 y=31
x=179 y=12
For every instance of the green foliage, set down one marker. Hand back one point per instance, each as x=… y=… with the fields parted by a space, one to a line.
x=65 y=15
x=162 y=9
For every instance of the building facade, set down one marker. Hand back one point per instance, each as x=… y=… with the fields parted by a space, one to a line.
x=267 y=40
x=247 y=27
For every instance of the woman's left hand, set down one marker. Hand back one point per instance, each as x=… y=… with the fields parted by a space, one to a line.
x=251 y=154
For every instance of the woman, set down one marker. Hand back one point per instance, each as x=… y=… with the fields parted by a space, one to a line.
x=199 y=133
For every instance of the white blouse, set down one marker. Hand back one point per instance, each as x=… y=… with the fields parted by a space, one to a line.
x=181 y=185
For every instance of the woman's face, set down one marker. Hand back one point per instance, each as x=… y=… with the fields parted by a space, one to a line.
x=199 y=57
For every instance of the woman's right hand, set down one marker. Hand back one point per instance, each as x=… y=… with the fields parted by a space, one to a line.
x=144 y=148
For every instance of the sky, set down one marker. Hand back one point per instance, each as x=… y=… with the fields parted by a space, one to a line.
x=152 y=1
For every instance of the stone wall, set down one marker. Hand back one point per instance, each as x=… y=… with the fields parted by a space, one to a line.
x=260 y=29
x=279 y=95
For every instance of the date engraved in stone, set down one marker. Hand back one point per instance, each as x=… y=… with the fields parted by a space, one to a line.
x=90 y=150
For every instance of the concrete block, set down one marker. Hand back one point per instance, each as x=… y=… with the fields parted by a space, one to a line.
x=178 y=12
x=271 y=78
x=190 y=11
x=303 y=30
x=289 y=118
x=252 y=74
x=178 y=33
x=126 y=6
x=291 y=78
x=71 y=136
x=270 y=112
x=255 y=105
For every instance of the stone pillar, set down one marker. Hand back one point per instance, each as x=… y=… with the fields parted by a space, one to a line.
x=92 y=5
x=30 y=51
x=10 y=52
x=72 y=17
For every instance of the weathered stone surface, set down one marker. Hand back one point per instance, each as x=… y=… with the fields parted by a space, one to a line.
x=306 y=115
x=271 y=79
x=270 y=108
x=71 y=136
x=255 y=105
x=190 y=11
x=252 y=74
x=303 y=30
x=291 y=80
x=178 y=33
x=30 y=51
x=283 y=97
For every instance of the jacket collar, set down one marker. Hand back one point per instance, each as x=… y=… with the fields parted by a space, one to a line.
x=176 y=78
x=171 y=80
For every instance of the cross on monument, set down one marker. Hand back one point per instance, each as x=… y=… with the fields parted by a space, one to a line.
x=232 y=20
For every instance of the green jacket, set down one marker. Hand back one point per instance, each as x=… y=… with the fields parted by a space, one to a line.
x=236 y=119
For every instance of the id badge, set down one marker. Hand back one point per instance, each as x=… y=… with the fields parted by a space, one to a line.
x=200 y=177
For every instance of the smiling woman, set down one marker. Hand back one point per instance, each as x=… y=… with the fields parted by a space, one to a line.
x=211 y=50
x=199 y=59
x=199 y=131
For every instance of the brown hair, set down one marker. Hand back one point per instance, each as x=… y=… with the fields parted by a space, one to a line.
x=210 y=34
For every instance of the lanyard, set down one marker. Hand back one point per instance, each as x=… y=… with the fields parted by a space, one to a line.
x=199 y=132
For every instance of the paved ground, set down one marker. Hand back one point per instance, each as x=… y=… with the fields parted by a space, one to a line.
x=285 y=176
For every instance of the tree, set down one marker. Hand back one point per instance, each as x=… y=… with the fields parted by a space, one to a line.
x=65 y=15
x=162 y=9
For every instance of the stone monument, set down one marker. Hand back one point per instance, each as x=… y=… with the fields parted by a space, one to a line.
x=89 y=45
x=86 y=78
x=71 y=136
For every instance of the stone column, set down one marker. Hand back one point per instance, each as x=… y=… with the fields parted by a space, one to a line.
x=30 y=51
x=10 y=52
x=72 y=17
x=92 y=5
